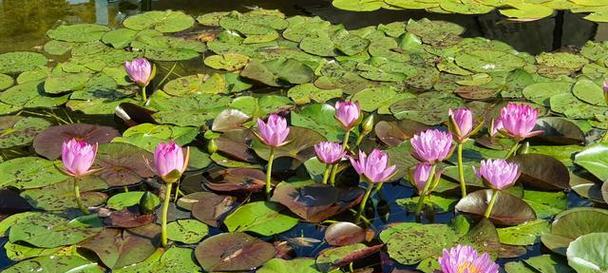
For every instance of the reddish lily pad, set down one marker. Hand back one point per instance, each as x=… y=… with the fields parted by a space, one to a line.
x=129 y=218
x=316 y=202
x=233 y=143
x=236 y=180
x=508 y=210
x=117 y=248
x=48 y=143
x=393 y=133
x=212 y=207
x=123 y=164
x=300 y=145
x=542 y=172
x=233 y=252
x=559 y=130
x=344 y=233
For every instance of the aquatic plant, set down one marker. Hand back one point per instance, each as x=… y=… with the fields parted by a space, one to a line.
x=78 y=157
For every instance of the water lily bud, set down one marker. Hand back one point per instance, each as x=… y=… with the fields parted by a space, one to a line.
x=348 y=113
x=147 y=203
x=605 y=87
x=141 y=71
x=169 y=161
x=212 y=146
x=368 y=124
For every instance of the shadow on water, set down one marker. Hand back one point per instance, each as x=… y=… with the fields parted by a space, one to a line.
x=23 y=23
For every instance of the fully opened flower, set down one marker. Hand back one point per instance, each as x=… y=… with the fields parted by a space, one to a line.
x=499 y=173
x=465 y=259
x=329 y=152
x=140 y=71
x=431 y=145
x=348 y=113
x=374 y=166
x=168 y=157
x=461 y=123
x=274 y=132
x=78 y=156
x=421 y=174
x=518 y=120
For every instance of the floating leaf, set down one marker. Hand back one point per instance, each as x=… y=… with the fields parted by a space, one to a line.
x=147 y=136
x=6 y=81
x=163 y=21
x=542 y=172
x=123 y=164
x=61 y=263
x=20 y=131
x=60 y=196
x=210 y=207
x=19 y=61
x=594 y=159
x=48 y=230
x=524 y=234
x=228 y=61
x=48 y=143
x=320 y=118
x=300 y=265
x=264 y=218
x=572 y=224
x=358 y=5
x=587 y=253
x=233 y=252
x=78 y=33
x=344 y=233
x=278 y=72
x=29 y=172
x=410 y=243
x=126 y=199
x=188 y=231
x=508 y=210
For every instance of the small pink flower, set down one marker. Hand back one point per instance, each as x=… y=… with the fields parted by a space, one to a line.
x=518 y=120
x=78 y=156
x=431 y=146
x=498 y=173
x=421 y=175
x=329 y=152
x=461 y=121
x=374 y=166
x=274 y=132
x=495 y=127
x=348 y=112
x=168 y=157
x=605 y=87
x=465 y=259
x=140 y=71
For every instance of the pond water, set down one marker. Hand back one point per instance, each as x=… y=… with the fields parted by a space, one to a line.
x=24 y=25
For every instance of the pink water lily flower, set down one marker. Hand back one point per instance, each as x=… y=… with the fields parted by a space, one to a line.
x=432 y=145
x=605 y=87
x=348 y=113
x=329 y=152
x=274 y=132
x=518 y=120
x=499 y=173
x=465 y=259
x=140 y=71
x=168 y=157
x=421 y=175
x=78 y=156
x=374 y=166
x=461 y=123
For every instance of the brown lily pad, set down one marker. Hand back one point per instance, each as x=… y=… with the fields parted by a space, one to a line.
x=393 y=133
x=542 y=172
x=508 y=210
x=123 y=164
x=235 y=180
x=212 y=208
x=559 y=130
x=234 y=143
x=48 y=143
x=129 y=218
x=233 y=252
x=344 y=233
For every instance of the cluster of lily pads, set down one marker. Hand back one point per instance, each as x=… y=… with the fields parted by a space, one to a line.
x=516 y=10
x=405 y=77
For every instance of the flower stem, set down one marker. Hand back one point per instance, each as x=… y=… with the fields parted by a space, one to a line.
x=463 y=185
x=77 y=195
x=332 y=177
x=345 y=142
x=359 y=139
x=269 y=172
x=144 y=96
x=513 y=150
x=328 y=167
x=425 y=192
x=491 y=205
x=363 y=202
x=165 y=211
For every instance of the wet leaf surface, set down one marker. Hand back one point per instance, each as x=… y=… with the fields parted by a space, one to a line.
x=233 y=252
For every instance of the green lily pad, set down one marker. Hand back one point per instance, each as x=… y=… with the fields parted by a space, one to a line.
x=196 y=84
x=67 y=263
x=19 y=252
x=126 y=199
x=147 y=136
x=278 y=72
x=540 y=93
x=228 y=61
x=300 y=265
x=427 y=109
x=437 y=203
x=264 y=218
x=320 y=118
x=546 y=204
x=48 y=230
x=524 y=234
x=20 y=61
x=78 y=33
x=593 y=159
x=119 y=38
x=574 y=108
x=188 y=231
x=358 y=5
x=587 y=254
x=29 y=173
x=562 y=59
x=572 y=224
x=410 y=243
x=465 y=7
x=31 y=95
x=123 y=164
x=526 y=11
x=198 y=108
x=173 y=260
x=589 y=92
x=6 y=81
x=305 y=93
x=163 y=21
x=16 y=131
x=60 y=196
x=372 y=99
x=262 y=106
x=489 y=61
x=59 y=83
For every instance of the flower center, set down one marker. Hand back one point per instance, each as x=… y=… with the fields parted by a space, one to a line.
x=467 y=267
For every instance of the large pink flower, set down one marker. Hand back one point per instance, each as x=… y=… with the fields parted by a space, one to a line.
x=78 y=156
x=329 y=152
x=168 y=157
x=140 y=71
x=498 y=173
x=431 y=145
x=421 y=175
x=374 y=166
x=348 y=113
x=461 y=121
x=517 y=120
x=465 y=259
x=274 y=132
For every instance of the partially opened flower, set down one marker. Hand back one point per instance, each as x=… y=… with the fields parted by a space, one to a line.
x=420 y=175
x=465 y=259
x=605 y=87
x=518 y=120
x=78 y=157
x=329 y=152
x=374 y=166
x=140 y=71
x=432 y=145
x=348 y=113
x=499 y=173
x=461 y=123
x=274 y=132
x=169 y=161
